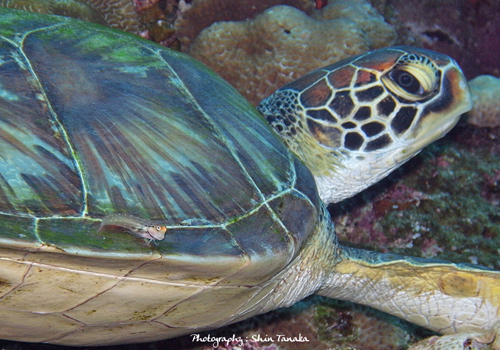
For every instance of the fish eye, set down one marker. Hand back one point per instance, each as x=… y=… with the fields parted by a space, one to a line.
x=156 y=232
x=161 y=229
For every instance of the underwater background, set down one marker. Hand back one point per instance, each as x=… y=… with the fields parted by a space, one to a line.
x=444 y=203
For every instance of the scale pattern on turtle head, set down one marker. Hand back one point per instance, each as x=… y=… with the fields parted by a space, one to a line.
x=354 y=121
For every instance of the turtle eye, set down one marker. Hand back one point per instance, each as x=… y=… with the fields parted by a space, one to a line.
x=413 y=78
x=406 y=81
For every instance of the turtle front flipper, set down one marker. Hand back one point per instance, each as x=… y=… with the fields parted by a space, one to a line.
x=488 y=340
x=444 y=297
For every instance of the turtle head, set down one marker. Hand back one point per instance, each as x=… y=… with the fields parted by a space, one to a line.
x=355 y=121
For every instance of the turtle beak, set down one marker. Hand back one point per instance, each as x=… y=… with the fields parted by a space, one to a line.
x=442 y=113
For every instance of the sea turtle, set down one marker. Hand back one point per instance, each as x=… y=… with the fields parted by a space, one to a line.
x=102 y=131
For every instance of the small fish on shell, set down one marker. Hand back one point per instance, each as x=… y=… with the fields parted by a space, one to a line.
x=137 y=226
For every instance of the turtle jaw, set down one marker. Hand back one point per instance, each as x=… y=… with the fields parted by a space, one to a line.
x=356 y=171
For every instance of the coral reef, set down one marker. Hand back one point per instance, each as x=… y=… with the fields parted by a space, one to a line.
x=467 y=30
x=281 y=44
x=70 y=8
x=348 y=325
x=203 y=13
x=158 y=17
x=486 y=110
x=152 y=19
x=119 y=14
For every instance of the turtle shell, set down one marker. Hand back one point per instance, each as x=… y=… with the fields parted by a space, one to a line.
x=95 y=122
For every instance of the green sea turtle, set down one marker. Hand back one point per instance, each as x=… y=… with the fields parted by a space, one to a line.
x=103 y=132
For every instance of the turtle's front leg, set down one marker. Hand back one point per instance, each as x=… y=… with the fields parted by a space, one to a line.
x=461 y=301
x=489 y=340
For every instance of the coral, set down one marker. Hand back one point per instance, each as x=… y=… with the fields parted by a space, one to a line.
x=204 y=13
x=281 y=44
x=358 y=327
x=141 y=5
x=151 y=19
x=70 y=8
x=118 y=14
x=158 y=17
x=486 y=110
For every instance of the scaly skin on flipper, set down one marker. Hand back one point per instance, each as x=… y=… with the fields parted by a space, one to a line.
x=446 y=298
x=95 y=123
